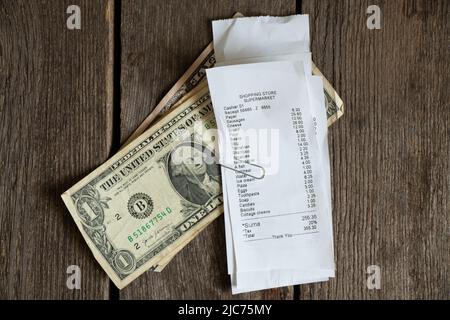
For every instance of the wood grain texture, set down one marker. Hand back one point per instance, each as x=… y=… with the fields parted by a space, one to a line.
x=390 y=152
x=160 y=40
x=54 y=127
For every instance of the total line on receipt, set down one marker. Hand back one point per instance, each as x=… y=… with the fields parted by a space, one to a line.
x=290 y=236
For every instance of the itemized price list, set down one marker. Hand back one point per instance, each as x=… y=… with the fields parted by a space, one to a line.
x=303 y=146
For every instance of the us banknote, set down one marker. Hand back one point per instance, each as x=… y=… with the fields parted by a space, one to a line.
x=154 y=196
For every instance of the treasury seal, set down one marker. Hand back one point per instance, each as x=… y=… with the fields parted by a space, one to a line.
x=140 y=206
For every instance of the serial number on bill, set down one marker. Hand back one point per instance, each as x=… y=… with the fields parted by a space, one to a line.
x=226 y=310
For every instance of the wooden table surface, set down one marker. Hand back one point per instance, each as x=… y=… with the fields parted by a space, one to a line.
x=68 y=98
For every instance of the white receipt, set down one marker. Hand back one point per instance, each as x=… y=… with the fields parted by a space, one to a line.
x=256 y=280
x=249 y=37
x=251 y=41
x=279 y=222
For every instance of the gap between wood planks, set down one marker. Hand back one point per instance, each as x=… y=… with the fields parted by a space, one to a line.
x=116 y=7
x=114 y=292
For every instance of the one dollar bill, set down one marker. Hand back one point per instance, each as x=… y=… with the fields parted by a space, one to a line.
x=149 y=200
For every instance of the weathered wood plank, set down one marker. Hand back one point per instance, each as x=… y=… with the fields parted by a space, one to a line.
x=391 y=150
x=55 y=126
x=160 y=40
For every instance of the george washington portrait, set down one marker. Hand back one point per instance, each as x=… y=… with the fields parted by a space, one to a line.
x=193 y=172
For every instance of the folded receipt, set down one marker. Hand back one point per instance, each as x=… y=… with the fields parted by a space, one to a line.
x=270 y=113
